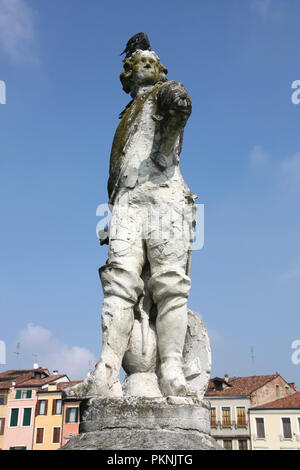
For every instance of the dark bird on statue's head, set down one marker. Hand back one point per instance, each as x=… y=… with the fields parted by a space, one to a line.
x=138 y=41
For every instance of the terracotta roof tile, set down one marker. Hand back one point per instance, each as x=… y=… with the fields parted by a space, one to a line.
x=288 y=402
x=26 y=378
x=22 y=372
x=18 y=376
x=39 y=382
x=63 y=385
x=240 y=385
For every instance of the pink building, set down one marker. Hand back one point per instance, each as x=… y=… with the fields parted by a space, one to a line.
x=71 y=420
x=71 y=414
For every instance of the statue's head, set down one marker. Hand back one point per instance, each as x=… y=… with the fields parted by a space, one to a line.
x=142 y=68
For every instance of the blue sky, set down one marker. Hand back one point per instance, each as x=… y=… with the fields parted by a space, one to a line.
x=60 y=62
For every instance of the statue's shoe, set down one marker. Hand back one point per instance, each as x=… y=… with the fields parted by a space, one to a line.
x=95 y=385
x=172 y=380
x=81 y=390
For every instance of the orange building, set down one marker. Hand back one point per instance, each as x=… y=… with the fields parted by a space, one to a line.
x=50 y=417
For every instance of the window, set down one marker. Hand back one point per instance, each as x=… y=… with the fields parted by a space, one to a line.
x=287 y=429
x=18 y=448
x=23 y=394
x=42 y=407
x=226 y=419
x=227 y=444
x=2 y=425
x=213 y=421
x=243 y=444
x=57 y=407
x=241 y=416
x=56 y=436
x=72 y=415
x=260 y=428
x=3 y=399
x=26 y=416
x=277 y=391
x=39 y=436
x=14 y=415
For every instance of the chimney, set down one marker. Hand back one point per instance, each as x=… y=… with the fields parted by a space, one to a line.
x=55 y=372
x=292 y=385
x=226 y=378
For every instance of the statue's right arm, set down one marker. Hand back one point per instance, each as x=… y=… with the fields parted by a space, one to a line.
x=174 y=103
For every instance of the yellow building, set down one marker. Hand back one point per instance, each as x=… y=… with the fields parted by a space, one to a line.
x=48 y=419
x=276 y=425
x=3 y=407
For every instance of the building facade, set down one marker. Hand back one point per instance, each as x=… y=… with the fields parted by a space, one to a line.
x=3 y=411
x=71 y=420
x=276 y=425
x=231 y=399
x=50 y=417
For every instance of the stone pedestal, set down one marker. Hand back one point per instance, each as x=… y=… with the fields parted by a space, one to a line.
x=139 y=423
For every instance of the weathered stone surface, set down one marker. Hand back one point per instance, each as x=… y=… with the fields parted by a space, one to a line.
x=196 y=355
x=141 y=423
x=141 y=384
x=127 y=439
x=140 y=357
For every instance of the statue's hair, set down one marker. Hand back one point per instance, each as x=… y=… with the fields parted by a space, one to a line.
x=126 y=76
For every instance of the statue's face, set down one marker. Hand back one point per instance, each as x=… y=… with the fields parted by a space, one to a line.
x=145 y=70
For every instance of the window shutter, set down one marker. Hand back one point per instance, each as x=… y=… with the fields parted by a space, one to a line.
x=14 y=417
x=56 y=436
x=2 y=426
x=54 y=407
x=68 y=415
x=18 y=394
x=37 y=408
x=29 y=394
x=76 y=415
x=46 y=406
x=26 y=416
x=39 y=435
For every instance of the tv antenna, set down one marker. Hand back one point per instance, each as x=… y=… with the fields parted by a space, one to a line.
x=17 y=352
x=252 y=360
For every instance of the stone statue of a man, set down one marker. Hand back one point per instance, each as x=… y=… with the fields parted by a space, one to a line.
x=151 y=225
x=145 y=180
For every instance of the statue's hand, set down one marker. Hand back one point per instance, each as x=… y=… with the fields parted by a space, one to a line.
x=181 y=103
x=173 y=99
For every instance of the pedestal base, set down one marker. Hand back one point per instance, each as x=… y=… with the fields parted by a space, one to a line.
x=139 y=423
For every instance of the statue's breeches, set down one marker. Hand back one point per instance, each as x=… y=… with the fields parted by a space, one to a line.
x=160 y=234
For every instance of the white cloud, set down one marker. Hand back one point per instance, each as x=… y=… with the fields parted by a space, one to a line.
x=17 y=30
x=258 y=157
x=290 y=169
x=266 y=9
x=74 y=361
x=294 y=272
x=262 y=7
